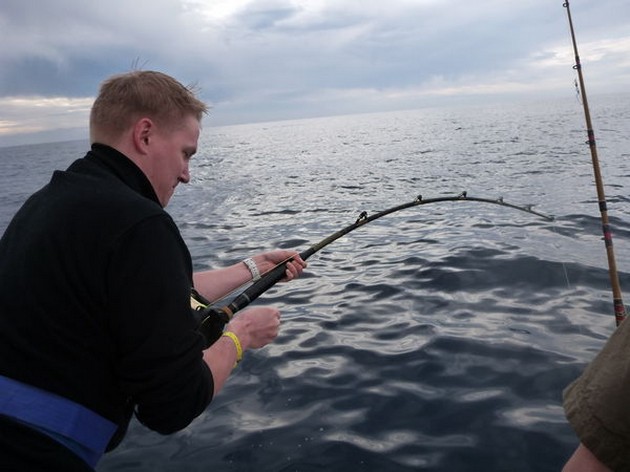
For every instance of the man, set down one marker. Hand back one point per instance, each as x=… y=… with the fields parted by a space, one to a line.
x=95 y=286
x=597 y=406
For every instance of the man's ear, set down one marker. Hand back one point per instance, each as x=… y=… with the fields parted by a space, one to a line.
x=142 y=134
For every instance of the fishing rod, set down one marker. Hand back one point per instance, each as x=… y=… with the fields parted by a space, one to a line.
x=213 y=319
x=620 y=311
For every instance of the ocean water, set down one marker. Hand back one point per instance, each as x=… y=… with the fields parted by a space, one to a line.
x=437 y=338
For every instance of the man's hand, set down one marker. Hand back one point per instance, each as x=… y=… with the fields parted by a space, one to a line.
x=268 y=260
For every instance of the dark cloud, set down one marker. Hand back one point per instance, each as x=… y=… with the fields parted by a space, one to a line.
x=256 y=19
x=76 y=78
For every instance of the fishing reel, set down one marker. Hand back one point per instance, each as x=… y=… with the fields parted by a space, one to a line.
x=210 y=320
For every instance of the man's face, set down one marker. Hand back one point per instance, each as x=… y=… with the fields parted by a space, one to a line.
x=171 y=150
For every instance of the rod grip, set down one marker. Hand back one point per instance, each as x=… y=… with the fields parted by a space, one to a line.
x=211 y=324
x=212 y=320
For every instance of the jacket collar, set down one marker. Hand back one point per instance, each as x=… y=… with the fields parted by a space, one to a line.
x=123 y=168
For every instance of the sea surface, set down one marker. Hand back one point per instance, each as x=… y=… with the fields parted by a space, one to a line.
x=438 y=338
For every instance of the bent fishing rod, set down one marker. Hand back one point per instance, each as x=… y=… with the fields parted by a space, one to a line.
x=213 y=319
x=620 y=311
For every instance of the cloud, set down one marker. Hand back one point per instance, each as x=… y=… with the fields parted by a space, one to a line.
x=274 y=59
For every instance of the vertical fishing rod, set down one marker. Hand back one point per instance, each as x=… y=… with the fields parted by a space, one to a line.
x=620 y=311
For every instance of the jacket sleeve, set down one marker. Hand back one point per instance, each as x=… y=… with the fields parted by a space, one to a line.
x=597 y=405
x=159 y=357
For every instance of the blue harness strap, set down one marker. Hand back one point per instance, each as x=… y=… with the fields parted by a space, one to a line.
x=56 y=415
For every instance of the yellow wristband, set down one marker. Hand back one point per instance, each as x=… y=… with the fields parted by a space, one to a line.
x=237 y=344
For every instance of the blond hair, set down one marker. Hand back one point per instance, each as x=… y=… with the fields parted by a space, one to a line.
x=125 y=98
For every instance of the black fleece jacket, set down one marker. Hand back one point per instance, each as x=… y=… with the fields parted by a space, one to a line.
x=95 y=284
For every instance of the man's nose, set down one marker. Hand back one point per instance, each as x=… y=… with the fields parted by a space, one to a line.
x=185 y=175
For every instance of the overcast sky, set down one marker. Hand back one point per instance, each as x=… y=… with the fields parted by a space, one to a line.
x=258 y=60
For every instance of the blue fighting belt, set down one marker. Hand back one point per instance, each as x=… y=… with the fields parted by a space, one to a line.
x=77 y=427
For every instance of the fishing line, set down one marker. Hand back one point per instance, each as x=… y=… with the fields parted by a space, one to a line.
x=554 y=229
x=212 y=319
x=619 y=309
